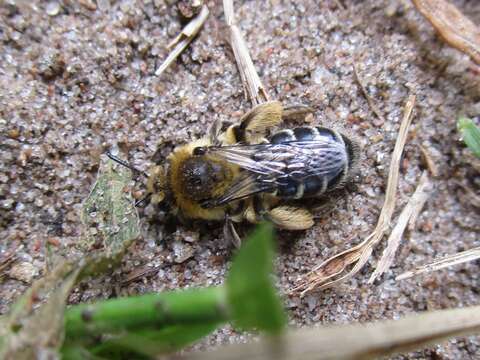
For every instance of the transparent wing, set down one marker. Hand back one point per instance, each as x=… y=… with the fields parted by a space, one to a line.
x=297 y=159
x=269 y=165
x=244 y=187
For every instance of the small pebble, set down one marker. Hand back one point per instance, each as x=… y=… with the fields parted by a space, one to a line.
x=181 y=252
x=53 y=8
x=23 y=271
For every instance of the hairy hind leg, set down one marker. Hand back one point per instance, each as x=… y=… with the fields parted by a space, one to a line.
x=255 y=124
x=285 y=217
x=296 y=111
x=290 y=218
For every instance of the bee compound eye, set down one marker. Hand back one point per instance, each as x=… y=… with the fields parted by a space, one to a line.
x=201 y=150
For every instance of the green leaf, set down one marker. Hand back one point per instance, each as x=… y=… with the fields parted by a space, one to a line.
x=470 y=134
x=35 y=324
x=251 y=295
x=110 y=218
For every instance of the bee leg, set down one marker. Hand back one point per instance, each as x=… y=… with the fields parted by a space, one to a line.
x=290 y=218
x=255 y=123
x=250 y=215
x=230 y=233
x=214 y=133
x=230 y=137
x=285 y=217
x=296 y=111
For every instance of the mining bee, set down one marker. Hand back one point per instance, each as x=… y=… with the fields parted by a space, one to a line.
x=248 y=172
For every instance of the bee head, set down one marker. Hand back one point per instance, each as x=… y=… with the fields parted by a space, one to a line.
x=200 y=177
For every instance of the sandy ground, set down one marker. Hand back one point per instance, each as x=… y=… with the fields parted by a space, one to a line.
x=75 y=81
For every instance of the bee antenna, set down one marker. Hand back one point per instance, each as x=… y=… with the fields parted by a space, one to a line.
x=124 y=163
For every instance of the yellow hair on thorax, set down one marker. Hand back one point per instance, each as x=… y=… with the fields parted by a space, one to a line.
x=187 y=206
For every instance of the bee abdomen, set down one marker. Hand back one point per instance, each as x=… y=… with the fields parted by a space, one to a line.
x=310 y=185
x=282 y=136
x=306 y=133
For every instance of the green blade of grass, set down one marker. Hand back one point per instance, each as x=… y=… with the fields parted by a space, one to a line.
x=251 y=295
x=470 y=134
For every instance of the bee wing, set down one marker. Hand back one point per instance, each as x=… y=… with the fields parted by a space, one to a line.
x=297 y=159
x=268 y=165
x=244 y=187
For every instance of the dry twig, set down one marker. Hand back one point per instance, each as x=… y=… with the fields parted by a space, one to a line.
x=6 y=262
x=472 y=197
x=419 y=201
x=183 y=39
x=250 y=79
x=409 y=214
x=319 y=277
x=455 y=259
x=139 y=273
x=357 y=341
x=454 y=27
x=429 y=162
x=369 y=99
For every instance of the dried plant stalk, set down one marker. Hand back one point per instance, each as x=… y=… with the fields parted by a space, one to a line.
x=410 y=211
x=454 y=27
x=472 y=197
x=317 y=279
x=357 y=341
x=429 y=162
x=183 y=39
x=7 y=261
x=455 y=259
x=250 y=79
x=369 y=99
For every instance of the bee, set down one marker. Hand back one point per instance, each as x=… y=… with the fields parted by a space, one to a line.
x=248 y=172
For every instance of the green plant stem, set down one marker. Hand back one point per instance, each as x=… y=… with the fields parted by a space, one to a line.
x=192 y=306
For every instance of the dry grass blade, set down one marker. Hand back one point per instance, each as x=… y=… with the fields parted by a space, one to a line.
x=319 y=277
x=357 y=341
x=454 y=27
x=6 y=261
x=34 y=324
x=139 y=273
x=470 y=195
x=250 y=79
x=183 y=39
x=429 y=162
x=409 y=213
x=455 y=259
x=369 y=99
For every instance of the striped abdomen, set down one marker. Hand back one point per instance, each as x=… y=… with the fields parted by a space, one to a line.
x=313 y=160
